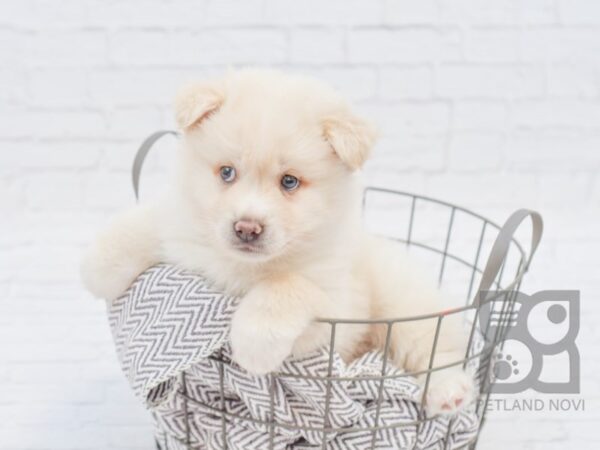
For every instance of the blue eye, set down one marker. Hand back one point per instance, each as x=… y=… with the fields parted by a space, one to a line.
x=289 y=182
x=227 y=174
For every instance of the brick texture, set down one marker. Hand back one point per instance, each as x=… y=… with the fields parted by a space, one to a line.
x=491 y=105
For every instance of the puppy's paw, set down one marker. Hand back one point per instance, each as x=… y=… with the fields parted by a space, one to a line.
x=449 y=391
x=268 y=322
x=120 y=253
x=259 y=347
x=107 y=275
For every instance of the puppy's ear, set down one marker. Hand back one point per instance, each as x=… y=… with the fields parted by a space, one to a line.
x=350 y=136
x=195 y=102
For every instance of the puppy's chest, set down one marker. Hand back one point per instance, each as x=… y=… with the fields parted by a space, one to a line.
x=346 y=289
x=337 y=276
x=333 y=281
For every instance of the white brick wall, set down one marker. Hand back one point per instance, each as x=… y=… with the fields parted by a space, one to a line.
x=494 y=105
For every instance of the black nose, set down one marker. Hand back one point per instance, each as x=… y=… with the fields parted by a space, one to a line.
x=247 y=230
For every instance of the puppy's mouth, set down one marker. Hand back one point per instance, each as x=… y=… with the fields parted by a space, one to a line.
x=250 y=249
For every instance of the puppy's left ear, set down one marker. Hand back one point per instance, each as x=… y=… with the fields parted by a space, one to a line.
x=196 y=102
x=351 y=137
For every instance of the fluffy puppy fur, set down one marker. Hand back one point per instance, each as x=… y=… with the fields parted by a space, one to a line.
x=306 y=254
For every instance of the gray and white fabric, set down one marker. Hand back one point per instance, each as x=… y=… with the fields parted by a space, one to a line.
x=171 y=334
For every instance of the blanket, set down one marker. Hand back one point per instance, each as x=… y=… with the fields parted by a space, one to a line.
x=171 y=336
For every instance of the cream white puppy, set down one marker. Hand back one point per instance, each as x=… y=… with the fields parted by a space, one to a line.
x=266 y=203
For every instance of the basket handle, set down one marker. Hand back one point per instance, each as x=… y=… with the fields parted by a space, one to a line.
x=141 y=154
x=502 y=244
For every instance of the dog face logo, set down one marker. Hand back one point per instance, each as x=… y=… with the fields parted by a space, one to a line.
x=537 y=341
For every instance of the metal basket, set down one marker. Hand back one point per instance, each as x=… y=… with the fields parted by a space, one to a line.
x=492 y=292
x=498 y=278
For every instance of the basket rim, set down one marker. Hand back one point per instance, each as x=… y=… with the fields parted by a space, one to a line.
x=444 y=203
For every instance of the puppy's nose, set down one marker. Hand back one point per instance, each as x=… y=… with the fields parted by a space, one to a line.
x=248 y=230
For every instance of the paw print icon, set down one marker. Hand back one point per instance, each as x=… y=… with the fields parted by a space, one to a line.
x=537 y=349
x=505 y=366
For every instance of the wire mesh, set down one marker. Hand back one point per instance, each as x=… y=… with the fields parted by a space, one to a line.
x=466 y=256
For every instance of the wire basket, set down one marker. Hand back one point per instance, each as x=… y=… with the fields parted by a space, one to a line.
x=492 y=292
x=457 y=246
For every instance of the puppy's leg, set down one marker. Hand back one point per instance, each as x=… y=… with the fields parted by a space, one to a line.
x=270 y=318
x=399 y=289
x=120 y=253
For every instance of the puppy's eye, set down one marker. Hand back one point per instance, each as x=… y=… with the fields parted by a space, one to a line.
x=290 y=182
x=228 y=174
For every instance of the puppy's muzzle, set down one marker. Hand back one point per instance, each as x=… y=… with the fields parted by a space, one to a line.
x=248 y=230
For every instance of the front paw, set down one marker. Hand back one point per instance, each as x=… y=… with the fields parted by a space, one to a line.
x=449 y=391
x=268 y=322
x=105 y=276
x=120 y=253
x=258 y=346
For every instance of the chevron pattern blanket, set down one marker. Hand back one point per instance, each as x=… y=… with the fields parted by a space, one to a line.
x=170 y=331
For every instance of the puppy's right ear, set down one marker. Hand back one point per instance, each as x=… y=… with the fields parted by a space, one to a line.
x=350 y=136
x=195 y=102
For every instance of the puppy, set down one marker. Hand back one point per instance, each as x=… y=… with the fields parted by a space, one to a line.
x=266 y=204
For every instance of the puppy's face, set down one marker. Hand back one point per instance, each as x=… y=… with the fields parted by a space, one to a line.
x=268 y=163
